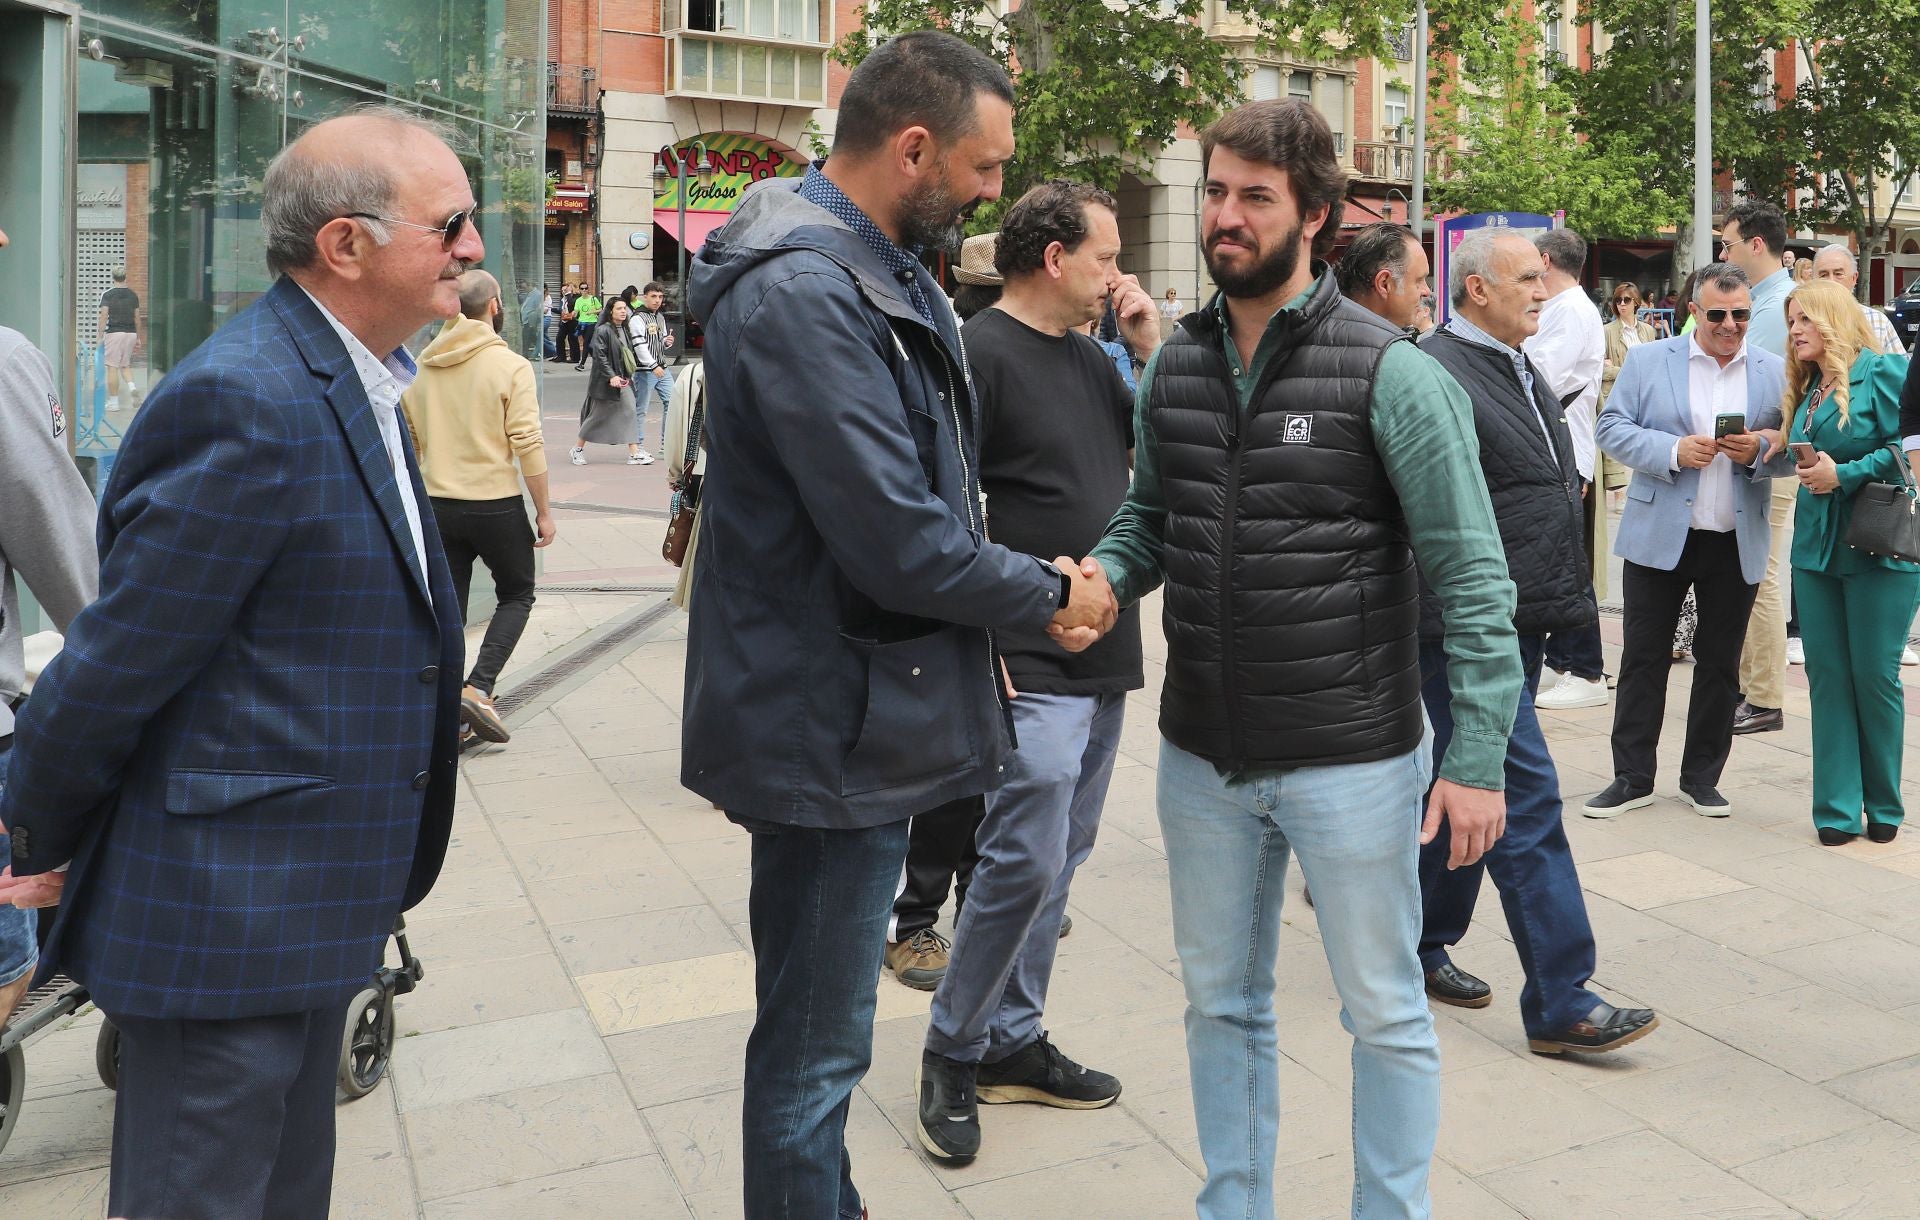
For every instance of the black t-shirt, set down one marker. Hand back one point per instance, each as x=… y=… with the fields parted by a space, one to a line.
x=1056 y=423
x=123 y=308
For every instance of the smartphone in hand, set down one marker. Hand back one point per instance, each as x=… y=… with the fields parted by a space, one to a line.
x=1804 y=454
x=1729 y=423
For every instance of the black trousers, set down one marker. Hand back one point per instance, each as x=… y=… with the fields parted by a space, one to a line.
x=497 y=533
x=940 y=854
x=1710 y=563
x=569 y=342
x=226 y=1120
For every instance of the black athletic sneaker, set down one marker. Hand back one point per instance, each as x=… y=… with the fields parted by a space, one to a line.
x=1041 y=1073
x=949 y=1118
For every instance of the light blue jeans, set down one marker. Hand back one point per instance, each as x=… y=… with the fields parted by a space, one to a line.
x=1356 y=829
x=657 y=383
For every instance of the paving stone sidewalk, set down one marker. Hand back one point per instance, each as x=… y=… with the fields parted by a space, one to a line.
x=575 y=1048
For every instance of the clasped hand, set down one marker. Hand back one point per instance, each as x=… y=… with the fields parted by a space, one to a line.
x=40 y=890
x=1821 y=476
x=1091 y=609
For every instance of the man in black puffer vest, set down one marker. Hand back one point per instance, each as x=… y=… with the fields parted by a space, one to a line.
x=1294 y=456
x=1498 y=283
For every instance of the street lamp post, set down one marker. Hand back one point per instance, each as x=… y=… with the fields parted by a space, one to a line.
x=703 y=157
x=1420 y=122
x=1404 y=201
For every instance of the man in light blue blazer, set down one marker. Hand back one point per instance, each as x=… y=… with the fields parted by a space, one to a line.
x=1696 y=516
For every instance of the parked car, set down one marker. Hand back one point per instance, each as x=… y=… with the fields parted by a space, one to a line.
x=1904 y=312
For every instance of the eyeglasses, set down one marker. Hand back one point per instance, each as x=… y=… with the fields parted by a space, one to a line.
x=449 y=232
x=1716 y=316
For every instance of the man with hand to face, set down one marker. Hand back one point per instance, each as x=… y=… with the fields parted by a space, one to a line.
x=1697 y=418
x=1528 y=459
x=842 y=671
x=1296 y=455
x=246 y=750
x=1056 y=429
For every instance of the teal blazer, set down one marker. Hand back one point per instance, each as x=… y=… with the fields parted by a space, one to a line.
x=1860 y=456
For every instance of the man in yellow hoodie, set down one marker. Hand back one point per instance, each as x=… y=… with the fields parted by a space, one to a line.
x=473 y=411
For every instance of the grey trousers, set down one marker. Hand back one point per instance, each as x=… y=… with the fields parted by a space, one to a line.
x=1039 y=827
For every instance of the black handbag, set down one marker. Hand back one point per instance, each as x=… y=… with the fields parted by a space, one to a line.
x=1886 y=517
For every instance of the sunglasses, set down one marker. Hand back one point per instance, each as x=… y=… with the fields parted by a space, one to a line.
x=449 y=232
x=1716 y=316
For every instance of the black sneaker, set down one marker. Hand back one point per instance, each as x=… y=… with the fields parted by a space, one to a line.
x=949 y=1118
x=1042 y=1074
x=1616 y=798
x=1706 y=800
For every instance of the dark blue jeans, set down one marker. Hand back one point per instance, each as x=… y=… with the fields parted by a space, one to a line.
x=818 y=911
x=1531 y=865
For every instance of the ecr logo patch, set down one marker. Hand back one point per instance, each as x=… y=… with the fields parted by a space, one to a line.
x=59 y=416
x=1298 y=430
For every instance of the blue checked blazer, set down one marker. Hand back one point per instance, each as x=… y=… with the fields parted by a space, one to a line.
x=247 y=748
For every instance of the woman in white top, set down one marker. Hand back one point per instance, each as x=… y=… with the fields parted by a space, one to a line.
x=1170 y=311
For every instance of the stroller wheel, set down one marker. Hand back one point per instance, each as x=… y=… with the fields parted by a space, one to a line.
x=13 y=1086
x=367 y=1045
x=106 y=1055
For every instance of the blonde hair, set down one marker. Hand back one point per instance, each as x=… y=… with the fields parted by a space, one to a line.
x=1836 y=317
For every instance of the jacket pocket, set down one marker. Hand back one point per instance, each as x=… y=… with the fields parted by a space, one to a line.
x=1640 y=489
x=200 y=793
x=915 y=723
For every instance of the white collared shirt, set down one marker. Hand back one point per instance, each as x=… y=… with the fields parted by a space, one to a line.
x=1713 y=390
x=385 y=381
x=1569 y=349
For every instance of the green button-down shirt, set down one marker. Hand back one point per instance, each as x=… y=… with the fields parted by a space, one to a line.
x=1423 y=430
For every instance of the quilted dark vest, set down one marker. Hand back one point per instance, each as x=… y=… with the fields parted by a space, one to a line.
x=1535 y=489
x=1291 y=594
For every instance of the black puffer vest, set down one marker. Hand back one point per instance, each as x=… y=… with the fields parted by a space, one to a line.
x=1291 y=595
x=1535 y=490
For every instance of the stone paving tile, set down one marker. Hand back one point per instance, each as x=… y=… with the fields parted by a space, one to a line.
x=1686 y=975
x=1844 y=886
x=560 y=859
x=581 y=787
x=1323 y=1190
x=492 y=991
x=1862 y=1175
x=625 y=1000
x=61 y=1060
x=438 y=1069
x=613 y=890
x=602 y=945
x=1872 y=967
x=1018 y=1139
x=479 y=938
x=1134 y=1182
x=58 y=1136
x=1757 y=922
x=1673 y=1043
x=563 y=822
x=1731 y=1108
x=1891 y=1090
x=1812 y=1032
x=616 y=1190
x=65 y=1196
x=489 y=1141
x=1631 y=1177
x=683 y=1060
x=372 y=1173
x=1653 y=879
x=1521 y=1115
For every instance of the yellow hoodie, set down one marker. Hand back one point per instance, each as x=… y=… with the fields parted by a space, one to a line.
x=471 y=411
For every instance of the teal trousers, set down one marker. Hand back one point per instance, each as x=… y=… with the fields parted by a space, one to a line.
x=1853 y=627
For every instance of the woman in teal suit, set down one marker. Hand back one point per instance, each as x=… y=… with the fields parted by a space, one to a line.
x=1844 y=398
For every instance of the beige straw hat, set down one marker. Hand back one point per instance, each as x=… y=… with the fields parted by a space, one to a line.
x=976 y=261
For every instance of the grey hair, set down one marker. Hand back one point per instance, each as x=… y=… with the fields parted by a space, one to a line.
x=303 y=194
x=1853 y=264
x=1473 y=256
x=1724 y=276
x=477 y=289
x=1564 y=248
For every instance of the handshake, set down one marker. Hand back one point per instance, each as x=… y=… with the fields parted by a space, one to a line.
x=1091 y=609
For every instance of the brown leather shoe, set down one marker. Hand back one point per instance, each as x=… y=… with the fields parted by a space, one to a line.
x=920 y=961
x=477 y=710
x=1606 y=1028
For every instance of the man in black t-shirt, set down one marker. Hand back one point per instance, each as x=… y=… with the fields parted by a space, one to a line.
x=119 y=331
x=1056 y=433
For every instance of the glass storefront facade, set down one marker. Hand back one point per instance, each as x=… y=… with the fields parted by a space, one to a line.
x=154 y=120
x=182 y=103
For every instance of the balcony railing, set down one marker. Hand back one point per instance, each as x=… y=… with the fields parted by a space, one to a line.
x=1382 y=162
x=572 y=88
x=1400 y=42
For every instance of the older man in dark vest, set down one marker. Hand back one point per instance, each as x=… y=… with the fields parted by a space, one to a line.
x=1294 y=456
x=1498 y=285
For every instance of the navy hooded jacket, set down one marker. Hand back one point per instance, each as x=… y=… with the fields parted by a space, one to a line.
x=840 y=661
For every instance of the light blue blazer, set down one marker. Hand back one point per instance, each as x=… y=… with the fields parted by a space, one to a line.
x=1649 y=410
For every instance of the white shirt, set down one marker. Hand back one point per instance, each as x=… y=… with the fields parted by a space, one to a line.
x=385 y=381
x=1171 y=309
x=1569 y=350
x=1883 y=332
x=1713 y=390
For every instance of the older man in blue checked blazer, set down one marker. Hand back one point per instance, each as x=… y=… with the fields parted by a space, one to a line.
x=1696 y=517
x=246 y=753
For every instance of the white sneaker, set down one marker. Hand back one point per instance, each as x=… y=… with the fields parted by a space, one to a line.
x=640 y=457
x=578 y=456
x=1908 y=657
x=1571 y=692
x=1796 y=655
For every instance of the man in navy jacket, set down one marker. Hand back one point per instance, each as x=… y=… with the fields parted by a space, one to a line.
x=245 y=753
x=841 y=669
